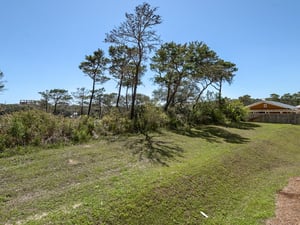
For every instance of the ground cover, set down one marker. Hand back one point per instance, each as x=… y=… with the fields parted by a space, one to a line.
x=229 y=174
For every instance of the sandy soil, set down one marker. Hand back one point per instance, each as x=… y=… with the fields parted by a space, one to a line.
x=288 y=204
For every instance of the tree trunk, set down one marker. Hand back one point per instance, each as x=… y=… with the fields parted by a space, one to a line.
x=171 y=98
x=126 y=97
x=81 y=107
x=119 y=91
x=92 y=96
x=136 y=79
x=55 y=106
x=100 y=107
x=220 y=93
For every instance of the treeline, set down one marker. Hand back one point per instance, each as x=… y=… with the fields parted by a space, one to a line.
x=183 y=72
x=288 y=98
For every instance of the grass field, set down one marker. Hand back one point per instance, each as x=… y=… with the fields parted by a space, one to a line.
x=230 y=174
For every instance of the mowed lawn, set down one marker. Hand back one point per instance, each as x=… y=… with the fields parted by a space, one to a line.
x=229 y=174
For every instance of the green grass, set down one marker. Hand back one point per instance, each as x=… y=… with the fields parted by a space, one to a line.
x=231 y=174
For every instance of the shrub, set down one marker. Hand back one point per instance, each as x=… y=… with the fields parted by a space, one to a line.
x=235 y=111
x=83 y=130
x=149 y=118
x=114 y=123
x=35 y=128
x=207 y=113
x=179 y=117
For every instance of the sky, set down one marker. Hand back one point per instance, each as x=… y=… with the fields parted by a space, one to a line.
x=42 y=42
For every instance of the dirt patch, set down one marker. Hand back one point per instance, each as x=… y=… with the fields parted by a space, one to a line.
x=73 y=162
x=288 y=205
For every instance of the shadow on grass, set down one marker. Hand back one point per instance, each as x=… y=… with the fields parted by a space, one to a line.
x=243 y=125
x=156 y=151
x=215 y=134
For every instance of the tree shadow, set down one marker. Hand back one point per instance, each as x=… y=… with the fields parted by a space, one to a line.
x=215 y=134
x=243 y=125
x=156 y=151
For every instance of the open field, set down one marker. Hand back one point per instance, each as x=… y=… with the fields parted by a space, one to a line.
x=229 y=174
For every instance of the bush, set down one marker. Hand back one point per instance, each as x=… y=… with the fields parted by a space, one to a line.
x=207 y=113
x=114 y=123
x=235 y=111
x=83 y=129
x=179 y=117
x=149 y=118
x=36 y=128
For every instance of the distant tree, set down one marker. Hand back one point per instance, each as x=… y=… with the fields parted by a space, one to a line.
x=137 y=32
x=287 y=99
x=1 y=81
x=94 y=66
x=185 y=71
x=45 y=99
x=142 y=99
x=99 y=93
x=296 y=98
x=59 y=96
x=224 y=73
x=81 y=95
x=202 y=61
x=121 y=67
x=171 y=69
x=247 y=100
x=274 y=97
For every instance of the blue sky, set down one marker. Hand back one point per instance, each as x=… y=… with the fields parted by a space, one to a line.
x=42 y=42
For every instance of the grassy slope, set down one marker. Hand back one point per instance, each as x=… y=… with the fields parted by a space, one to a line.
x=230 y=174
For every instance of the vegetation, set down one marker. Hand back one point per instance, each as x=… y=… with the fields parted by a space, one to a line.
x=137 y=32
x=156 y=161
x=94 y=66
x=24 y=129
x=230 y=174
x=184 y=72
x=288 y=98
x=1 y=81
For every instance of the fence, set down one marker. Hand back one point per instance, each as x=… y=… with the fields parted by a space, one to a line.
x=290 y=118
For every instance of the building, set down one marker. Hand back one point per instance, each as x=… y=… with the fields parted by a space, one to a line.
x=298 y=109
x=273 y=112
x=271 y=107
x=29 y=102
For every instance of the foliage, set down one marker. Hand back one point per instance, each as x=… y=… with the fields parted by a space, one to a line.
x=179 y=117
x=247 y=100
x=122 y=67
x=1 y=81
x=287 y=98
x=94 y=67
x=114 y=123
x=208 y=112
x=81 y=95
x=235 y=111
x=185 y=117
x=38 y=128
x=45 y=99
x=171 y=65
x=138 y=34
x=83 y=130
x=59 y=97
x=149 y=118
x=185 y=71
